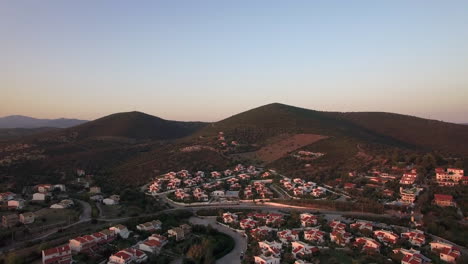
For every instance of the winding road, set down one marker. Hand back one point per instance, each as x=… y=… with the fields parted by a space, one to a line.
x=232 y=257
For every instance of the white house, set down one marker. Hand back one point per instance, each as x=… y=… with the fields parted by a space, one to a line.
x=218 y=193
x=266 y=260
x=150 y=226
x=62 y=205
x=121 y=230
x=129 y=255
x=39 y=197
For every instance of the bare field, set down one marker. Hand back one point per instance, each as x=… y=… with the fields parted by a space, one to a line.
x=285 y=144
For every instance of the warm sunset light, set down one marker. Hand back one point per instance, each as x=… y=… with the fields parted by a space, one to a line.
x=233 y=132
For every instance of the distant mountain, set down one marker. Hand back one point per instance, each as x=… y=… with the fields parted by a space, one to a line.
x=135 y=125
x=18 y=121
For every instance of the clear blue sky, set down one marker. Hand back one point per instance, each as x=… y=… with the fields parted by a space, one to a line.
x=206 y=60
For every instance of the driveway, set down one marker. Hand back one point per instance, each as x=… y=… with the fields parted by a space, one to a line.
x=241 y=242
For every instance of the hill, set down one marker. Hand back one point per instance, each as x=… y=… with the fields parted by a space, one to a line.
x=134 y=125
x=256 y=126
x=18 y=121
x=14 y=133
x=424 y=133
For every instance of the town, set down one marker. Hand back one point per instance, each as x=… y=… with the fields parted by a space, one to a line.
x=274 y=233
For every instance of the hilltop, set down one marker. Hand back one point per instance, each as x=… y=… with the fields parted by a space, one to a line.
x=133 y=125
x=260 y=124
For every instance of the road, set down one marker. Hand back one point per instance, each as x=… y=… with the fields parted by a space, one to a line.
x=86 y=214
x=232 y=257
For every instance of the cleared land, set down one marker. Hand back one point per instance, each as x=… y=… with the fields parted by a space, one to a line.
x=285 y=144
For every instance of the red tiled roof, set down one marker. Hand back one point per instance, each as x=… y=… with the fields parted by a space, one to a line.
x=123 y=255
x=443 y=197
x=56 y=250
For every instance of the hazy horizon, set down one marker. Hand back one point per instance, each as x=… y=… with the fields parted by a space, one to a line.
x=209 y=121
x=208 y=60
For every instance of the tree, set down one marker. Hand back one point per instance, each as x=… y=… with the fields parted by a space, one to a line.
x=12 y=258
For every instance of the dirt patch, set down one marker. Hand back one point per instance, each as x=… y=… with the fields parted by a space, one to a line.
x=285 y=144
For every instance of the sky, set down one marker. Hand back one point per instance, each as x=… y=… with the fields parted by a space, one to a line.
x=207 y=60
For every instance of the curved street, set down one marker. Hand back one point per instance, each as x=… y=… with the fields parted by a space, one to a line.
x=232 y=257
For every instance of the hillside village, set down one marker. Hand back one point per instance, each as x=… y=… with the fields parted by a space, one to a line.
x=315 y=199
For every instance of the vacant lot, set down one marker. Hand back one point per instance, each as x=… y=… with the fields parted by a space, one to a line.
x=285 y=144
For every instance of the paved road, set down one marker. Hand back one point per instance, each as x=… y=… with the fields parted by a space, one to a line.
x=241 y=241
x=86 y=214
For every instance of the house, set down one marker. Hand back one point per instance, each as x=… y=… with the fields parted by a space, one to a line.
x=112 y=200
x=215 y=174
x=300 y=261
x=229 y=218
x=63 y=204
x=150 y=226
x=348 y=186
x=26 y=218
x=129 y=255
x=412 y=256
x=59 y=187
x=270 y=248
x=16 y=204
x=83 y=244
x=308 y=220
x=6 y=196
x=362 y=225
x=44 y=188
x=444 y=200
x=120 y=230
x=160 y=240
x=266 y=260
x=288 y=236
x=57 y=255
x=337 y=225
x=314 y=235
x=415 y=237
x=260 y=233
x=39 y=197
x=447 y=252
x=180 y=232
x=387 y=237
x=94 y=189
x=153 y=245
x=217 y=193
x=408 y=178
x=301 y=249
x=340 y=237
x=449 y=177
x=247 y=223
x=368 y=244
x=9 y=220
x=105 y=236
x=408 y=196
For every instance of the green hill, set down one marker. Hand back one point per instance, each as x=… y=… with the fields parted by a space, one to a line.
x=259 y=124
x=135 y=125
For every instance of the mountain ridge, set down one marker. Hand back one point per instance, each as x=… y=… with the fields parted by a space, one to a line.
x=21 y=121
